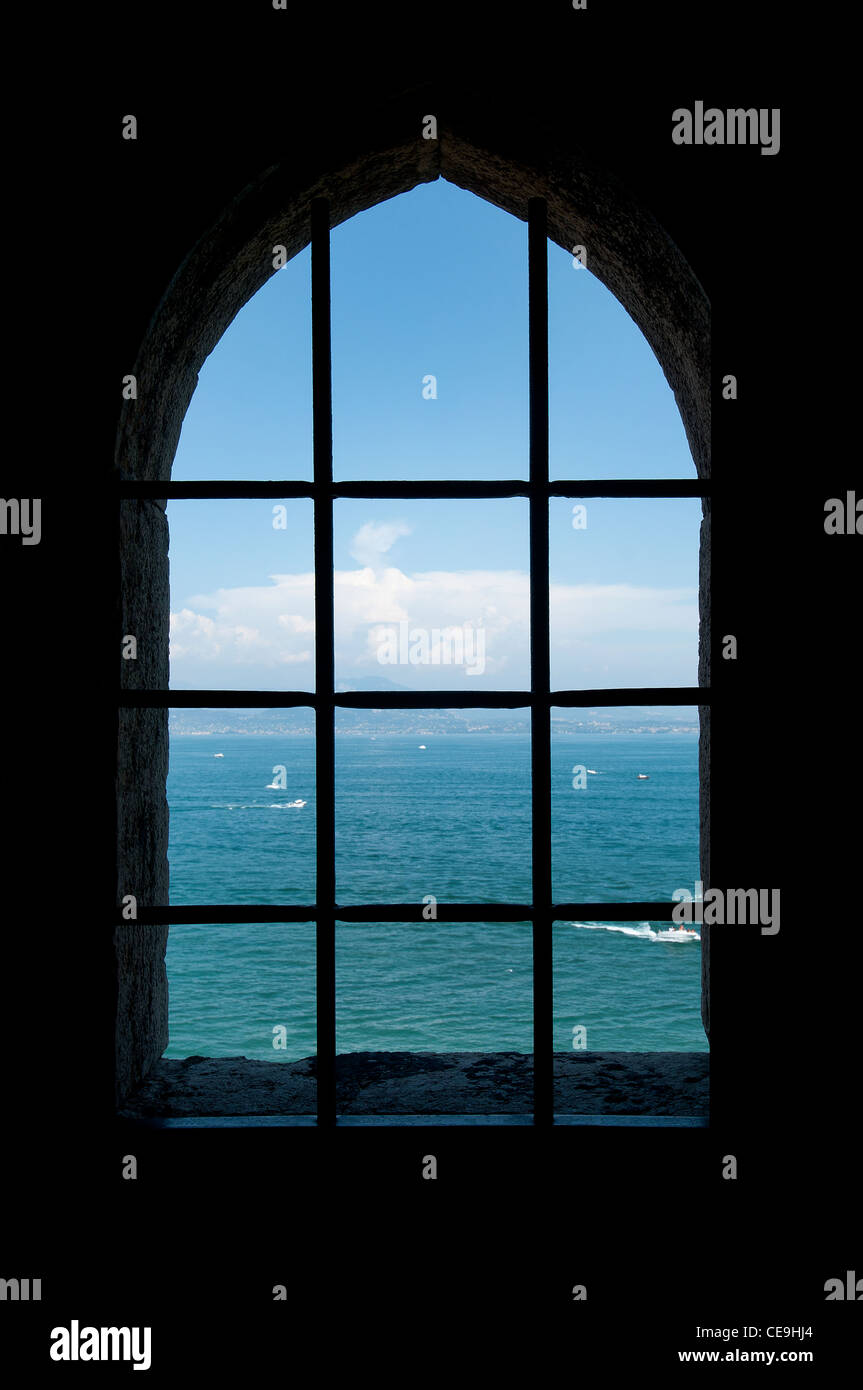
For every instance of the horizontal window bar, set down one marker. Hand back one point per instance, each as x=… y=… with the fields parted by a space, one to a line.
x=613 y=912
x=412 y=699
x=206 y=914
x=643 y=695
x=437 y=1121
x=438 y=699
x=633 y=1121
x=444 y=487
x=435 y=487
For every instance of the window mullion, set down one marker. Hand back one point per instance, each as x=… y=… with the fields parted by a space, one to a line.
x=540 y=671
x=325 y=845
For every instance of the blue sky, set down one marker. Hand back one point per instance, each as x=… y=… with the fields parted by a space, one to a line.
x=433 y=283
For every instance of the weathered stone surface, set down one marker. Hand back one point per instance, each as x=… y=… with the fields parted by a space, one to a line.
x=141 y=1016
x=404 y=1083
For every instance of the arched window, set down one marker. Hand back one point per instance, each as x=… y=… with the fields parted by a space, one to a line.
x=146 y=693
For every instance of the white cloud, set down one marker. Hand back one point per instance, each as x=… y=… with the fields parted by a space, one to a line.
x=375 y=538
x=580 y=610
x=619 y=633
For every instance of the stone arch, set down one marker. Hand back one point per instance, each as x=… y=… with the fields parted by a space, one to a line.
x=628 y=251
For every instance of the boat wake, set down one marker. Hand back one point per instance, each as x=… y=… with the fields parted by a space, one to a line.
x=643 y=930
x=257 y=805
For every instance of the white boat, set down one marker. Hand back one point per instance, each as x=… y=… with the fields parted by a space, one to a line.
x=643 y=776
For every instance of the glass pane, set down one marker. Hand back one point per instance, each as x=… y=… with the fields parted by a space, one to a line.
x=234 y=988
x=624 y=992
x=251 y=413
x=627 y=987
x=624 y=592
x=625 y=820
x=432 y=803
x=241 y=796
x=432 y=595
x=435 y=988
x=242 y=594
x=430 y=350
x=612 y=414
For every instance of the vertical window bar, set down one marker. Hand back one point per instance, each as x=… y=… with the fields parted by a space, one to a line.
x=322 y=408
x=543 y=1033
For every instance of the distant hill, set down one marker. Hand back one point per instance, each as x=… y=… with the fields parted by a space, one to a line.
x=432 y=722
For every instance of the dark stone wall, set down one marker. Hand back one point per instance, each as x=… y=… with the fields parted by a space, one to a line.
x=141 y=1019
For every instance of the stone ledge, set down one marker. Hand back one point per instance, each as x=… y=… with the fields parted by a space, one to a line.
x=426 y=1083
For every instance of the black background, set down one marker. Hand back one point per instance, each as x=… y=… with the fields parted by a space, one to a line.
x=481 y=1263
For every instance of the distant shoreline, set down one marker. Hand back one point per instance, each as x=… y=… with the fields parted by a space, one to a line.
x=522 y=732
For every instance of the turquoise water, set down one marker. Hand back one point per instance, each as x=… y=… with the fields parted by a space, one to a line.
x=450 y=820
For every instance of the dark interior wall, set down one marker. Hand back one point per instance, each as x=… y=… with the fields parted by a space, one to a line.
x=223 y=102
x=99 y=228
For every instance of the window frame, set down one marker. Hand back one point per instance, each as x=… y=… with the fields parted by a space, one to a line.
x=542 y=912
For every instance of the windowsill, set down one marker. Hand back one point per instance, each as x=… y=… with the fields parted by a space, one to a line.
x=412 y=1084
